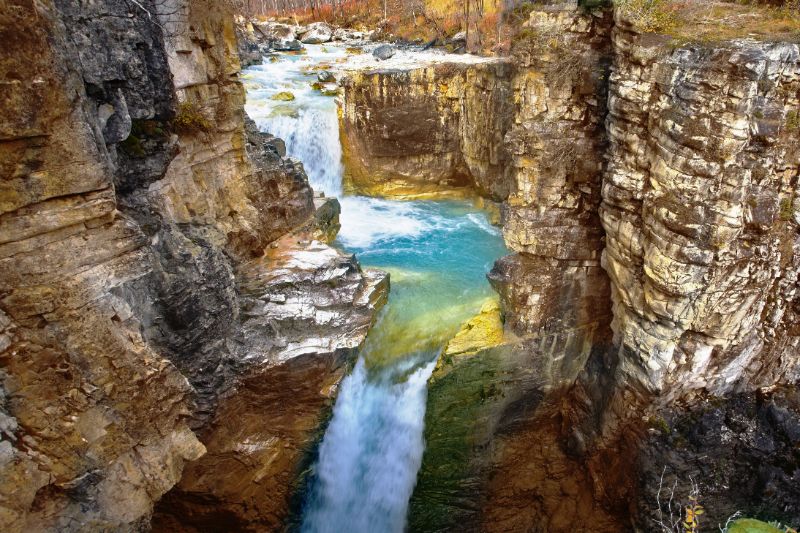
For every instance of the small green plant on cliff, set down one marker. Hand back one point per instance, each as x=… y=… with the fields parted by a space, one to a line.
x=658 y=423
x=787 y=209
x=793 y=121
x=651 y=16
x=735 y=524
x=190 y=119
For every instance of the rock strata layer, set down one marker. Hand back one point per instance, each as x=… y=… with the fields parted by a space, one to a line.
x=652 y=206
x=137 y=306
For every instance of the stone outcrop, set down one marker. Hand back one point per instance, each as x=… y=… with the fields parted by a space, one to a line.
x=305 y=309
x=135 y=210
x=426 y=131
x=694 y=221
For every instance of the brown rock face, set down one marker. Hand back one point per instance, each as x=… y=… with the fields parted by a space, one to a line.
x=317 y=307
x=426 y=131
x=130 y=209
x=699 y=206
x=93 y=417
x=555 y=282
x=694 y=219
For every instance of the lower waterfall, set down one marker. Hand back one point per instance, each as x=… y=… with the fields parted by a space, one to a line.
x=437 y=254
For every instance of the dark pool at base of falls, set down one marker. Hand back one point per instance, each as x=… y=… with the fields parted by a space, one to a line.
x=437 y=253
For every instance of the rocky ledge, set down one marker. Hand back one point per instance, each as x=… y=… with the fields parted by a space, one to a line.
x=305 y=310
x=145 y=294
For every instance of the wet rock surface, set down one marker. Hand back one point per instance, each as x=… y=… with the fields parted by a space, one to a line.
x=131 y=196
x=741 y=451
x=305 y=309
x=418 y=132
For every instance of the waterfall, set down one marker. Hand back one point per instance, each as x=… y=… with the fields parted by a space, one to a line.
x=370 y=455
x=312 y=136
x=372 y=449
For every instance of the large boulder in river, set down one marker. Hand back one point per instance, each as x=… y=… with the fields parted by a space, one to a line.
x=343 y=34
x=280 y=37
x=325 y=76
x=273 y=31
x=287 y=45
x=384 y=52
x=317 y=33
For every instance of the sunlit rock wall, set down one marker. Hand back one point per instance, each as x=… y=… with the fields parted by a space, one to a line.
x=94 y=419
x=700 y=212
x=133 y=206
x=432 y=130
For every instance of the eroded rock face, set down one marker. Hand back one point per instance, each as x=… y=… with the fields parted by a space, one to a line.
x=753 y=440
x=132 y=196
x=305 y=309
x=699 y=211
x=695 y=221
x=426 y=131
x=94 y=418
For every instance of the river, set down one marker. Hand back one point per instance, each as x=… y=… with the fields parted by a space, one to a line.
x=437 y=254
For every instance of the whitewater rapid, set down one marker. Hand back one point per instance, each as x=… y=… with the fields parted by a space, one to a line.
x=437 y=253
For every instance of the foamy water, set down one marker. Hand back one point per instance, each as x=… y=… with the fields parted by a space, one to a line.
x=371 y=453
x=437 y=252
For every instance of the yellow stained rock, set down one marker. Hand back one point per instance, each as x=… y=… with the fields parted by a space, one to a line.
x=482 y=331
x=283 y=96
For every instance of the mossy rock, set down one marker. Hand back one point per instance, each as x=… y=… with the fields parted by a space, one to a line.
x=284 y=111
x=190 y=118
x=283 y=96
x=750 y=525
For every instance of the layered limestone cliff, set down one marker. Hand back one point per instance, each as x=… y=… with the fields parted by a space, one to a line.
x=138 y=307
x=649 y=191
x=699 y=209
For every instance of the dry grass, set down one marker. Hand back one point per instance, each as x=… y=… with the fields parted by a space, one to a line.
x=709 y=21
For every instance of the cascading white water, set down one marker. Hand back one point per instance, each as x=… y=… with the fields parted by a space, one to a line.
x=373 y=447
x=371 y=453
x=312 y=136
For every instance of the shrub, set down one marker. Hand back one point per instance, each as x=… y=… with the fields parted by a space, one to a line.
x=793 y=120
x=651 y=16
x=189 y=118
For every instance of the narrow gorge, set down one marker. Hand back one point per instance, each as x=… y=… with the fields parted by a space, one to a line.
x=258 y=276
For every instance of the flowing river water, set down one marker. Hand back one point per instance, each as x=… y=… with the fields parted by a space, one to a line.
x=437 y=254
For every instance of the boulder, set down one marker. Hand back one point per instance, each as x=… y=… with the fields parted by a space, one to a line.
x=384 y=52
x=272 y=31
x=329 y=89
x=317 y=33
x=283 y=96
x=342 y=34
x=325 y=76
x=287 y=45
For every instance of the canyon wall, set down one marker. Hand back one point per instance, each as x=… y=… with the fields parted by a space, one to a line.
x=432 y=130
x=649 y=192
x=139 y=310
x=699 y=209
